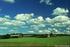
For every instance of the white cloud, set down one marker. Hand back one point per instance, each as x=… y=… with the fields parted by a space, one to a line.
x=47 y=31
x=19 y=23
x=14 y=23
x=34 y=27
x=9 y=1
x=40 y=31
x=7 y=23
x=38 y=20
x=47 y=2
x=7 y=16
x=13 y=31
x=24 y=17
x=60 y=18
x=55 y=30
x=37 y=24
x=3 y=28
x=31 y=31
x=3 y=19
x=41 y=25
x=60 y=11
x=44 y=31
x=68 y=32
x=58 y=21
x=68 y=28
x=49 y=20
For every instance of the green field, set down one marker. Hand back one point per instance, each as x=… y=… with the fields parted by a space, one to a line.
x=27 y=41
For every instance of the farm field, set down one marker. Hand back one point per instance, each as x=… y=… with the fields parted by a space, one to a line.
x=32 y=41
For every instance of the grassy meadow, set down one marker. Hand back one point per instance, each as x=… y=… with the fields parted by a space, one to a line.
x=32 y=41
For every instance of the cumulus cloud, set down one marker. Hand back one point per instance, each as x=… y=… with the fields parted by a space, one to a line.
x=60 y=22
x=38 y=20
x=40 y=31
x=30 y=24
x=60 y=11
x=24 y=17
x=9 y=1
x=47 y=2
x=3 y=28
x=13 y=31
x=45 y=31
x=14 y=23
x=48 y=20
x=31 y=31
x=60 y=18
x=3 y=19
x=7 y=16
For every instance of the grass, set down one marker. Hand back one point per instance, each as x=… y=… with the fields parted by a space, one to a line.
x=63 y=40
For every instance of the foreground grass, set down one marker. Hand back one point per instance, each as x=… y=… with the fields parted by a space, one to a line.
x=63 y=40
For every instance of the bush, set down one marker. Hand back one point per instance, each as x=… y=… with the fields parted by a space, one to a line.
x=4 y=36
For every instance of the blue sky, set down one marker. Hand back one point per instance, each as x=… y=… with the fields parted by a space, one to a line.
x=31 y=6
x=34 y=16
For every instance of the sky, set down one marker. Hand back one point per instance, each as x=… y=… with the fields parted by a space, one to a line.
x=34 y=16
x=31 y=6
